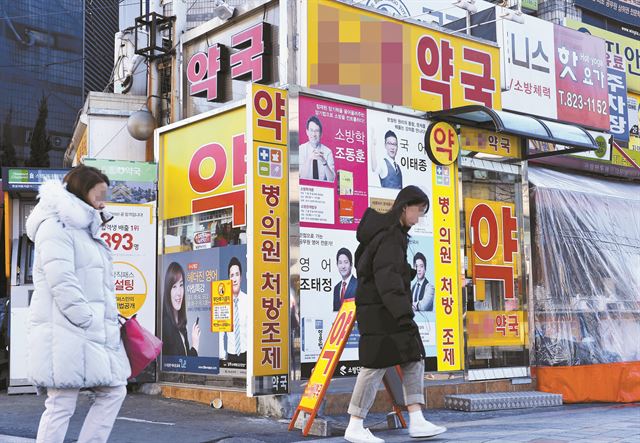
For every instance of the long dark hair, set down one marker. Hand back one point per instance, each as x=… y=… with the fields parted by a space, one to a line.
x=409 y=196
x=81 y=179
x=174 y=274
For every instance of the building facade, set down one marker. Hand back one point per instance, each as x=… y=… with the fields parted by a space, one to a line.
x=59 y=51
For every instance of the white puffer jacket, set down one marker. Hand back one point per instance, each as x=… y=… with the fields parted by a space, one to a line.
x=74 y=334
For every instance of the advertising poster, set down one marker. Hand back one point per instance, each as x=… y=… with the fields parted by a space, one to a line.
x=397 y=156
x=394 y=157
x=581 y=78
x=633 y=107
x=528 y=74
x=420 y=257
x=131 y=235
x=333 y=164
x=189 y=345
x=233 y=344
x=327 y=277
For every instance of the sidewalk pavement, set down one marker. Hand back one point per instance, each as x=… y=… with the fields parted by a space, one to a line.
x=145 y=418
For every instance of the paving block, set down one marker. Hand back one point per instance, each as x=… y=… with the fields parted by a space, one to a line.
x=493 y=401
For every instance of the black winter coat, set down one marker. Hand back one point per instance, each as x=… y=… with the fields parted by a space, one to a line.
x=388 y=334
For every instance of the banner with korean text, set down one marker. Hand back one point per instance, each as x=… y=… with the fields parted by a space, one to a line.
x=365 y=54
x=553 y=72
x=448 y=308
x=131 y=235
x=625 y=47
x=496 y=328
x=269 y=236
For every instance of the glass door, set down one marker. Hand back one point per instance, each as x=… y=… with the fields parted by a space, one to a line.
x=496 y=329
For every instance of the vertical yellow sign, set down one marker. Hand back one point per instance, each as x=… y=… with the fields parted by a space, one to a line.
x=221 y=306
x=445 y=240
x=270 y=203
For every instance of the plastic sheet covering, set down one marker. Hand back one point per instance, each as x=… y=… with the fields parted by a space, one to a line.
x=586 y=269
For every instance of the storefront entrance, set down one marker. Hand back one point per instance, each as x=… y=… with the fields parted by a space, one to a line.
x=496 y=327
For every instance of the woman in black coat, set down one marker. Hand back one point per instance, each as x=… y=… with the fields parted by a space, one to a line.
x=388 y=334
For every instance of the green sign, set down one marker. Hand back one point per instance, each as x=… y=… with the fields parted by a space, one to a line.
x=531 y=5
x=28 y=179
x=123 y=170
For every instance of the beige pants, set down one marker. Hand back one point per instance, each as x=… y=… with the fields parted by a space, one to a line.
x=368 y=381
x=61 y=404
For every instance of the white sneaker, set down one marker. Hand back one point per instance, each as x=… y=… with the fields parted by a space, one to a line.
x=425 y=429
x=361 y=435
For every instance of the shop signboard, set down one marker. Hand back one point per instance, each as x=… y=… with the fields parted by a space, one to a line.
x=487 y=142
x=202 y=167
x=132 y=182
x=528 y=70
x=554 y=72
x=581 y=78
x=205 y=75
x=219 y=61
x=496 y=328
x=28 y=179
x=618 y=107
x=624 y=11
x=329 y=358
x=492 y=245
x=617 y=44
x=126 y=171
x=269 y=239
x=447 y=301
x=396 y=62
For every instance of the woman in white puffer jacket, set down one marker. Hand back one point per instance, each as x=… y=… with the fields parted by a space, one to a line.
x=74 y=333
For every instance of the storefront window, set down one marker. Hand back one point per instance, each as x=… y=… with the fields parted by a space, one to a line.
x=495 y=319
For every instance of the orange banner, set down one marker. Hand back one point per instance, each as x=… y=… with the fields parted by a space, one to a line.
x=329 y=357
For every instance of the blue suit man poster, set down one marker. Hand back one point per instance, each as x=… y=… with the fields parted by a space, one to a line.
x=346 y=287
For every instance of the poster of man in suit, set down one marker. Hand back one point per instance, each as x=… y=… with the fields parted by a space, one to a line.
x=345 y=289
x=422 y=291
